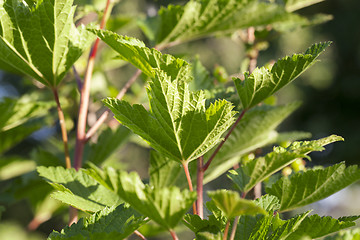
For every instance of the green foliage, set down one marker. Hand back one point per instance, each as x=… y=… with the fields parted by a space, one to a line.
x=233 y=205
x=78 y=189
x=264 y=82
x=313 y=185
x=40 y=40
x=166 y=206
x=188 y=121
x=248 y=175
x=189 y=129
x=109 y=223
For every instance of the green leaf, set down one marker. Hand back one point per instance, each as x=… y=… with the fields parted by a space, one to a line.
x=108 y=224
x=197 y=225
x=164 y=172
x=288 y=227
x=188 y=129
x=256 y=129
x=134 y=51
x=313 y=185
x=11 y=167
x=15 y=112
x=268 y=202
x=352 y=234
x=108 y=142
x=293 y=5
x=40 y=41
x=197 y=19
x=78 y=189
x=315 y=226
x=233 y=205
x=248 y=175
x=165 y=206
x=263 y=82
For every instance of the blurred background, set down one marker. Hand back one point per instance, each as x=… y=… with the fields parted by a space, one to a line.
x=329 y=91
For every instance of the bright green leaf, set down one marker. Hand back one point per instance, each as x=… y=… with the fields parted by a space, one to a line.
x=78 y=189
x=268 y=202
x=233 y=205
x=293 y=5
x=256 y=129
x=315 y=226
x=248 y=175
x=263 y=82
x=188 y=130
x=134 y=51
x=313 y=185
x=197 y=19
x=108 y=224
x=40 y=41
x=165 y=206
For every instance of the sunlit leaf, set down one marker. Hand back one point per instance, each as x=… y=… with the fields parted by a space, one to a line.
x=248 y=175
x=307 y=187
x=40 y=40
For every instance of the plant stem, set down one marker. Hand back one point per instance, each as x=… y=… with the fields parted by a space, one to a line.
x=105 y=114
x=226 y=231
x=63 y=128
x=199 y=187
x=85 y=95
x=187 y=173
x=205 y=167
x=137 y=233
x=233 y=230
x=73 y=215
x=173 y=234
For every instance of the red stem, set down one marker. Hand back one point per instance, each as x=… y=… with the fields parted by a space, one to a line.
x=205 y=167
x=173 y=234
x=226 y=231
x=137 y=233
x=199 y=187
x=187 y=173
x=85 y=95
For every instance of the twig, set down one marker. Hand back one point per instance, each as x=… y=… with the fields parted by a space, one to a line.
x=199 y=187
x=63 y=128
x=233 y=230
x=137 y=233
x=205 y=167
x=105 y=114
x=85 y=95
x=173 y=234
x=187 y=173
x=226 y=231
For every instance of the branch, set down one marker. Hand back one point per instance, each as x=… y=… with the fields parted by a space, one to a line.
x=85 y=95
x=105 y=114
x=205 y=167
x=187 y=173
x=63 y=128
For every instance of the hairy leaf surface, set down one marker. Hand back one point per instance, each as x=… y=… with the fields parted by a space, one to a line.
x=147 y=60
x=264 y=82
x=313 y=185
x=248 y=175
x=107 y=224
x=78 y=189
x=178 y=125
x=41 y=40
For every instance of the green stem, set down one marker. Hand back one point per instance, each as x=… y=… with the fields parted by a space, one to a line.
x=63 y=128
